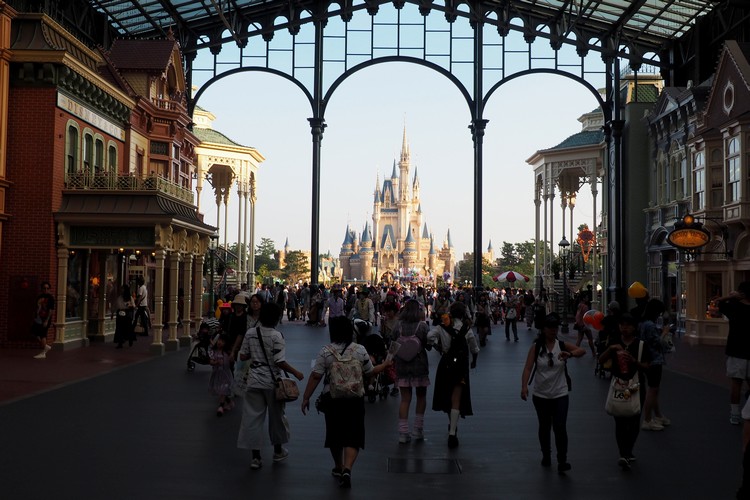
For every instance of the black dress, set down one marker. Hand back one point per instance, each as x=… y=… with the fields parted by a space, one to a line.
x=453 y=369
x=124 y=331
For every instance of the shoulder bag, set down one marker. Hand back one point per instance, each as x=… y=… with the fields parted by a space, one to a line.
x=623 y=399
x=286 y=387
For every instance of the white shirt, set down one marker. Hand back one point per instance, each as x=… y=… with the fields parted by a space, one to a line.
x=143 y=294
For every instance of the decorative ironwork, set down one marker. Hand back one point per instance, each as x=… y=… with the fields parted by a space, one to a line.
x=125 y=182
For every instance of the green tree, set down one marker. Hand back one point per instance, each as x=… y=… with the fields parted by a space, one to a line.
x=466 y=271
x=264 y=256
x=296 y=267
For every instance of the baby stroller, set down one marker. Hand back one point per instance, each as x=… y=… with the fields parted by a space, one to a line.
x=209 y=328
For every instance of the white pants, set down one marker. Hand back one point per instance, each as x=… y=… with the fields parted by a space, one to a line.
x=254 y=405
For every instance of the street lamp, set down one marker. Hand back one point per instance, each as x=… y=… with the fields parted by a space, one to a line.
x=564 y=247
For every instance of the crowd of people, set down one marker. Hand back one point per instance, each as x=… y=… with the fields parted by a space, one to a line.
x=365 y=323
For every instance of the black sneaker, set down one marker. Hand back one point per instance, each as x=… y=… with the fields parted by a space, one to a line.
x=335 y=472
x=546 y=461
x=452 y=441
x=563 y=467
x=346 y=479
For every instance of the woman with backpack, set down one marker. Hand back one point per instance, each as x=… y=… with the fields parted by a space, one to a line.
x=412 y=368
x=546 y=368
x=342 y=365
x=455 y=340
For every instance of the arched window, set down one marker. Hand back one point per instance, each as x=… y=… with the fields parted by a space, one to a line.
x=699 y=182
x=72 y=150
x=88 y=153
x=112 y=159
x=99 y=156
x=733 y=171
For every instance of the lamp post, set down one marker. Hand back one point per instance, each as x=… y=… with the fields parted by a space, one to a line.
x=564 y=246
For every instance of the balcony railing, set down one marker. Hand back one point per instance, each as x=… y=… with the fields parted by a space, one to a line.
x=86 y=181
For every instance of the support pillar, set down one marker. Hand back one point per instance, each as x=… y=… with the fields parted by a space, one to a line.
x=198 y=289
x=172 y=343
x=188 y=284
x=478 y=125
x=61 y=299
x=317 y=126
x=157 y=346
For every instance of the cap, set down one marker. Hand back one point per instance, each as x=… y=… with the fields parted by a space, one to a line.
x=613 y=306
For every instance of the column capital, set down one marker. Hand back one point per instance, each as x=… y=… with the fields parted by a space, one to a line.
x=317 y=127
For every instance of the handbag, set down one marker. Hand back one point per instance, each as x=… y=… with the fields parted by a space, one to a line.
x=286 y=387
x=623 y=399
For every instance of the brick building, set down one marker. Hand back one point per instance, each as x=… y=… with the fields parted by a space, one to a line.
x=96 y=183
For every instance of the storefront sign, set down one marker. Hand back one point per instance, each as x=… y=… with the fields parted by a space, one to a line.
x=112 y=237
x=77 y=109
x=688 y=234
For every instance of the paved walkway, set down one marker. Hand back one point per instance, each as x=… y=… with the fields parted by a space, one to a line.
x=106 y=423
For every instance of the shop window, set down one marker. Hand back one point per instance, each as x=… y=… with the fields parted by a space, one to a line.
x=73 y=294
x=713 y=291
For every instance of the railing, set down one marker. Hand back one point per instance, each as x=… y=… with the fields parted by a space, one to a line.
x=86 y=181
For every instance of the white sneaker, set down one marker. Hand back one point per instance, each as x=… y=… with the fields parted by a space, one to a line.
x=418 y=434
x=256 y=463
x=651 y=425
x=664 y=421
x=281 y=456
x=735 y=419
x=404 y=437
x=47 y=347
x=41 y=355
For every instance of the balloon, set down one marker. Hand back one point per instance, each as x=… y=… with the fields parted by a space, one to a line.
x=597 y=322
x=637 y=290
x=588 y=316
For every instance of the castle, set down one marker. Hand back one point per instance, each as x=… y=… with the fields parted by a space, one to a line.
x=394 y=249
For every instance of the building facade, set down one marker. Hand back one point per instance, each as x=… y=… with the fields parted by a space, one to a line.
x=97 y=183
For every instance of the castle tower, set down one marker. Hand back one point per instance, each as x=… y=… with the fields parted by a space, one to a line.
x=345 y=255
x=366 y=253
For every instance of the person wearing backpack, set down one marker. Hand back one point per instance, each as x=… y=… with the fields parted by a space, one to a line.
x=412 y=368
x=454 y=340
x=546 y=367
x=342 y=365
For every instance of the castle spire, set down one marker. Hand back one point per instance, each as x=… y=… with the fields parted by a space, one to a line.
x=404 y=147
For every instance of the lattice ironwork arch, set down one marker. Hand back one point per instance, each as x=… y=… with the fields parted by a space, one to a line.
x=255 y=69
x=605 y=105
x=399 y=59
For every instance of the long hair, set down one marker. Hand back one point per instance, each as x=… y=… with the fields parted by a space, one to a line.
x=654 y=308
x=411 y=312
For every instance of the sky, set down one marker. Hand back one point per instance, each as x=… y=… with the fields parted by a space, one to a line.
x=365 y=121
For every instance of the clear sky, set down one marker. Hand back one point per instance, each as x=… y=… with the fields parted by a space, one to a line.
x=365 y=120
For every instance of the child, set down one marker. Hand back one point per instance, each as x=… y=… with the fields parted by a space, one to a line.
x=221 y=377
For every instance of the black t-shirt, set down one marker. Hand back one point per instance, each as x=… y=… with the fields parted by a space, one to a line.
x=738 y=340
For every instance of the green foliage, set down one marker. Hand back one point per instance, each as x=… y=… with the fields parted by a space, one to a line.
x=296 y=267
x=264 y=256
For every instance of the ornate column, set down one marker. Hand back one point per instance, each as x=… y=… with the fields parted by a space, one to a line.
x=199 y=260
x=172 y=343
x=246 y=247
x=317 y=127
x=157 y=346
x=537 y=203
x=595 y=303
x=85 y=296
x=187 y=295
x=61 y=299
x=251 y=243
x=240 y=247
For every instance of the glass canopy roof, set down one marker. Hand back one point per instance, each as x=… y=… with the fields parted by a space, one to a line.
x=651 y=24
